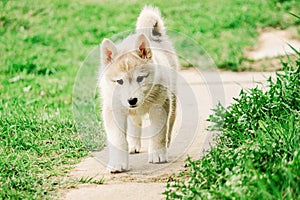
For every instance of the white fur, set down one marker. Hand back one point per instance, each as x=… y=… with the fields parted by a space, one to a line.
x=148 y=54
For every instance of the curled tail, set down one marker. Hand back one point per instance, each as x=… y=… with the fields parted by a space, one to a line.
x=150 y=22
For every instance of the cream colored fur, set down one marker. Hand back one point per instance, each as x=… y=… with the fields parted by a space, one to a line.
x=139 y=79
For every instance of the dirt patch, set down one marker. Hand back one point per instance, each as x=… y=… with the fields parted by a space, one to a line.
x=267 y=64
x=272 y=47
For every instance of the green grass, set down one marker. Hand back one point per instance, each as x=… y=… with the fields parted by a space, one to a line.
x=43 y=43
x=91 y=180
x=257 y=153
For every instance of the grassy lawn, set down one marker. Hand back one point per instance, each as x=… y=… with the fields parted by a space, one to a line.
x=257 y=153
x=43 y=43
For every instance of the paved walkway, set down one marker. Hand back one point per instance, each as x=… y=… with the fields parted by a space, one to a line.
x=147 y=181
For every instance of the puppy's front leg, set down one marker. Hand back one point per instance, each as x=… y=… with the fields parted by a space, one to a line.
x=115 y=126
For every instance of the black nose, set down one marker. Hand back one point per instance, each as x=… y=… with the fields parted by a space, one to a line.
x=132 y=101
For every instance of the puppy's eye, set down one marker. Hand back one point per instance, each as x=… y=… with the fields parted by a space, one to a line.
x=120 y=81
x=140 y=79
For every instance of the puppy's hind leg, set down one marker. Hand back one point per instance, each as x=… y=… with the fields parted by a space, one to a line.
x=157 y=145
x=172 y=118
x=134 y=128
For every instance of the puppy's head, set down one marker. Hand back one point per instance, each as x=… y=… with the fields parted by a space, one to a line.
x=130 y=73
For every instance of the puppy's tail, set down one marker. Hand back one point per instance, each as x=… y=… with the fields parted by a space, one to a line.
x=150 y=23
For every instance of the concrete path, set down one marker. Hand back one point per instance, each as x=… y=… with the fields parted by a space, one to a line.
x=273 y=43
x=147 y=181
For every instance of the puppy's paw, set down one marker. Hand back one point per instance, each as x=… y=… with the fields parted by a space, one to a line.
x=159 y=156
x=134 y=145
x=117 y=167
x=134 y=149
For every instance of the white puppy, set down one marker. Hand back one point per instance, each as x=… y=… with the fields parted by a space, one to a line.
x=138 y=80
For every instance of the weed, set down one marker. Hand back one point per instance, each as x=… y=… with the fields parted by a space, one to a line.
x=257 y=152
x=90 y=180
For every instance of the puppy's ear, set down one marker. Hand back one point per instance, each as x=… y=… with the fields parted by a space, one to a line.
x=108 y=52
x=143 y=47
